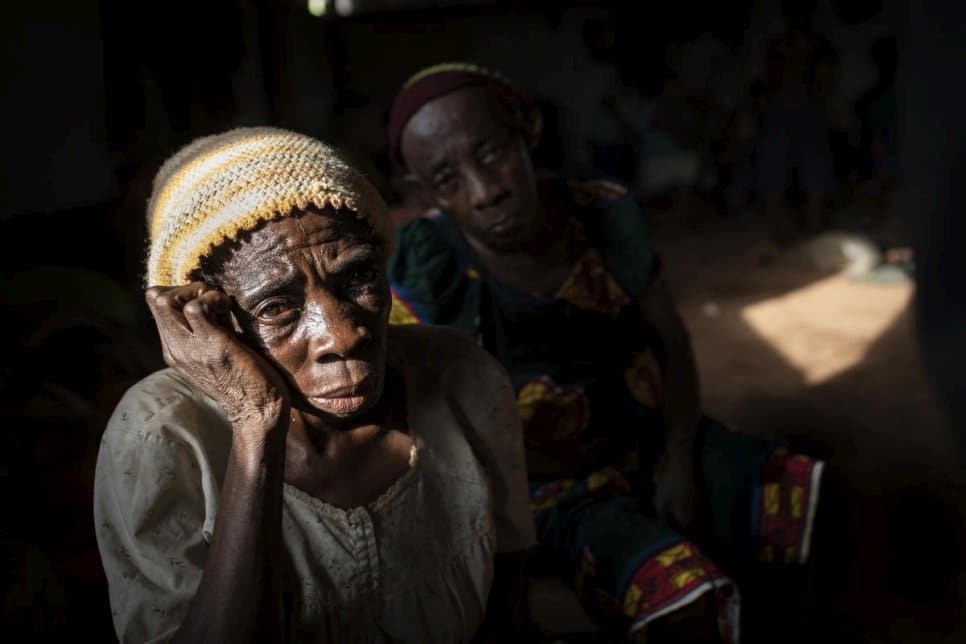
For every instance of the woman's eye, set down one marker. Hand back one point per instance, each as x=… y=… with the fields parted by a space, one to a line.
x=492 y=152
x=490 y=155
x=275 y=311
x=444 y=182
x=363 y=278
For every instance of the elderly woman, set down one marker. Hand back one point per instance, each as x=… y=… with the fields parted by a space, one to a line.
x=558 y=280
x=303 y=471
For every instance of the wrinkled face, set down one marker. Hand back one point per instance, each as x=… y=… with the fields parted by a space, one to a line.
x=313 y=298
x=467 y=152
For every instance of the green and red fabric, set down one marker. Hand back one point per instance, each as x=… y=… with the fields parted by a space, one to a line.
x=589 y=394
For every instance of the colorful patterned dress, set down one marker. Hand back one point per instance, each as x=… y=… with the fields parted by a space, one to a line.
x=589 y=395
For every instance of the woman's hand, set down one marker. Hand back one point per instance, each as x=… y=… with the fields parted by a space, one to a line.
x=675 y=489
x=198 y=341
x=238 y=598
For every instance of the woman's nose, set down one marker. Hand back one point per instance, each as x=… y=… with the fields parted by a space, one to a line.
x=334 y=331
x=484 y=190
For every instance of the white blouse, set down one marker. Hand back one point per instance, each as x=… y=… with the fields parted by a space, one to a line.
x=413 y=566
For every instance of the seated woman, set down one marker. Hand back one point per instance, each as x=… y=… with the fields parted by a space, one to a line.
x=303 y=471
x=559 y=282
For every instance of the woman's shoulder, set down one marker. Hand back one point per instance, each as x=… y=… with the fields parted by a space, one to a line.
x=165 y=407
x=617 y=227
x=443 y=351
x=448 y=371
x=429 y=273
x=604 y=204
x=419 y=343
x=595 y=192
x=425 y=237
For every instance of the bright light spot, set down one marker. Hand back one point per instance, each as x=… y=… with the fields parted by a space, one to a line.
x=827 y=327
x=317 y=7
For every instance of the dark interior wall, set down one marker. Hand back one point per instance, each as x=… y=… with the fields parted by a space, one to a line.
x=299 y=59
x=95 y=92
x=97 y=98
x=933 y=196
x=55 y=129
x=523 y=44
x=541 y=51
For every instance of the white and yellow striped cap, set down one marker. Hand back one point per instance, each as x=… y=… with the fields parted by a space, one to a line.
x=219 y=186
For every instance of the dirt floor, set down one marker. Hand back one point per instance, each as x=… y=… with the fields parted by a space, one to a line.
x=787 y=350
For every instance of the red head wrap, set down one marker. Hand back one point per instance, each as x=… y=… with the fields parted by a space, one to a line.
x=440 y=80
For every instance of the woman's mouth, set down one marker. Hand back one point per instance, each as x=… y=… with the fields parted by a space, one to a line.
x=503 y=226
x=346 y=400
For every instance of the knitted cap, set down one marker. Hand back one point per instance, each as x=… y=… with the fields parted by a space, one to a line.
x=440 y=80
x=219 y=186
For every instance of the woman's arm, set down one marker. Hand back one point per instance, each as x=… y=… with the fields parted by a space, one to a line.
x=238 y=598
x=674 y=496
x=507 y=611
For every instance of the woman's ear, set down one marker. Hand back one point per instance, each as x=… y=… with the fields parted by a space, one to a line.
x=532 y=125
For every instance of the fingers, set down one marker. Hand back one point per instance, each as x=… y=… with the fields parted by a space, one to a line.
x=173 y=296
x=208 y=312
x=167 y=304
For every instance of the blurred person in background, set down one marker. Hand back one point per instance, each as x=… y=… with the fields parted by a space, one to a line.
x=793 y=143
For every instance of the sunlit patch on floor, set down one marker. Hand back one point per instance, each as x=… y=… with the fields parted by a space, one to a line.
x=828 y=326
